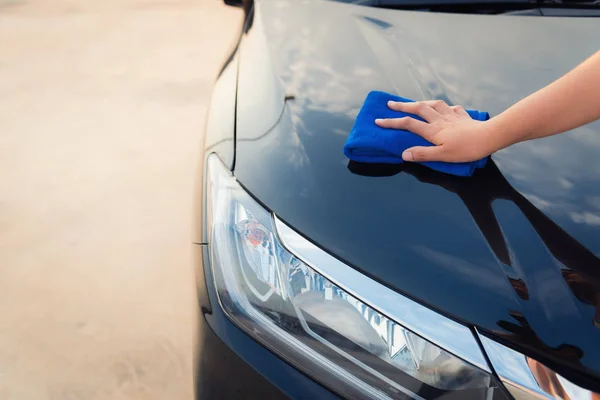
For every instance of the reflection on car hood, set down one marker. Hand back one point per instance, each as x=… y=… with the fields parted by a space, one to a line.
x=514 y=250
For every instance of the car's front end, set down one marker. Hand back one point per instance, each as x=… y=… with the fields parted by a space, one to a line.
x=319 y=278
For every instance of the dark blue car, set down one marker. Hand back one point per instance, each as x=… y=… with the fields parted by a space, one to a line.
x=320 y=278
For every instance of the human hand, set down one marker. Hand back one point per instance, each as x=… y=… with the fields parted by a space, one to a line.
x=455 y=135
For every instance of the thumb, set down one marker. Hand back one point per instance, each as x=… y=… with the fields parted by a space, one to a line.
x=423 y=153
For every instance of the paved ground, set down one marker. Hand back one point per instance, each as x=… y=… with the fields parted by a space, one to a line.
x=101 y=104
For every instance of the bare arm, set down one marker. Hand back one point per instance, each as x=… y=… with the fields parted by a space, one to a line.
x=571 y=101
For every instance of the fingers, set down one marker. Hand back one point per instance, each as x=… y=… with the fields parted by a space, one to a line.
x=420 y=128
x=424 y=109
x=460 y=110
x=421 y=154
x=440 y=106
x=420 y=108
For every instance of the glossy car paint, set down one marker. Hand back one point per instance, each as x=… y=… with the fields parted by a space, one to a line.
x=514 y=250
x=219 y=133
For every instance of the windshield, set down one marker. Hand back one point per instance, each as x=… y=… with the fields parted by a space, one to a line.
x=557 y=8
x=392 y=3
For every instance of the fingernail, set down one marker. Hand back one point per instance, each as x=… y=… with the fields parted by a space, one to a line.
x=407 y=156
x=378 y=120
x=391 y=103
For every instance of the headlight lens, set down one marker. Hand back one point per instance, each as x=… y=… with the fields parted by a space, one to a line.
x=313 y=323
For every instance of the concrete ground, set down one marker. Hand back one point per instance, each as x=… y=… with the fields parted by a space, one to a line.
x=101 y=109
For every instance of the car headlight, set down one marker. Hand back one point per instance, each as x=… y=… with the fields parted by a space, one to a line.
x=315 y=322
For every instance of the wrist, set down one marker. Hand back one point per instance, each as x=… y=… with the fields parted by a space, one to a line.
x=500 y=134
x=492 y=134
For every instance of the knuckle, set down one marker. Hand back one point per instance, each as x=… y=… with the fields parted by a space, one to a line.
x=419 y=154
x=399 y=123
x=438 y=104
x=430 y=134
x=406 y=121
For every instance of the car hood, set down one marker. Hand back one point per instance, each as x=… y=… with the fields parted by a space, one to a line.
x=513 y=250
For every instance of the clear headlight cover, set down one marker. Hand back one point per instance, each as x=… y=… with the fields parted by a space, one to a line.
x=314 y=324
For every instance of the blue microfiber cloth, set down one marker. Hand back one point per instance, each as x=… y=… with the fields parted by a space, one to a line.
x=370 y=143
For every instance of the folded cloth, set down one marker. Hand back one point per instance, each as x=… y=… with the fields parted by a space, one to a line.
x=370 y=143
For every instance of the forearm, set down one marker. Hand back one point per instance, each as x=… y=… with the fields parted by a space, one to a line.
x=569 y=102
